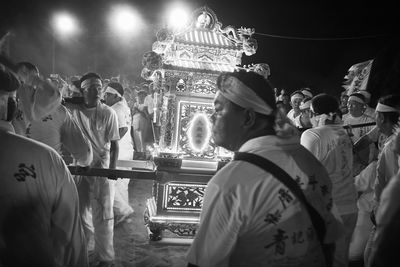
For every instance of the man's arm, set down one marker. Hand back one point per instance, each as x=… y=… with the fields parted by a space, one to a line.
x=75 y=141
x=114 y=152
x=122 y=131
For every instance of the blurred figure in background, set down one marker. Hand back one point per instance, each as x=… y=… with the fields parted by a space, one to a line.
x=295 y=99
x=343 y=103
x=114 y=98
x=304 y=120
x=140 y=122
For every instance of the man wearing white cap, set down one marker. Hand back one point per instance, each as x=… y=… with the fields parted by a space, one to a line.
x=39 y=214
x=249 y=217
x=113 y=96
x=100 y=125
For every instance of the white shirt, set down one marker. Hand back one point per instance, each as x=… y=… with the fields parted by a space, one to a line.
x=149 y=102
x=387 y=167
x=124 y=120
x=36 y=103
x=387 y=211
x=59 y=129
x=250 y=219
x=331 y=145
x=365 y=180
x=100 y=125
x=34 y=174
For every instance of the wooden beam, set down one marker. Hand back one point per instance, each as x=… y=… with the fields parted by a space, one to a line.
x=113 y=173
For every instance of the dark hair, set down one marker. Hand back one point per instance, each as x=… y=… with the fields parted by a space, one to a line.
x=306 y=98
x=27 y=65
x=8 y=80
x=90 y=75
x=77 y=84
x=117 y=86
x=297 y=92
x=394 y=102
x=324 y=104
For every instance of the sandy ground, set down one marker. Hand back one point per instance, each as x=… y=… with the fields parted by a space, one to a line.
x=131 y=242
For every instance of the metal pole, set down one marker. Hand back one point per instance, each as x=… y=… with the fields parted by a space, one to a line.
x=53 y=54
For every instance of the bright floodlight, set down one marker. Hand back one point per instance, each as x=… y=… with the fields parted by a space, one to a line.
x=64 y=24
x=124 y=20
x=178 y=17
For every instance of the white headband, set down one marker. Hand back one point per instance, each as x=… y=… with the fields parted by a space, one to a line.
x=91 y=81
x=112 y=91
x=240 y=94
x=307 y=93
x=296 y=96
x=356 y=99
x=384 y=108
x=306 y=105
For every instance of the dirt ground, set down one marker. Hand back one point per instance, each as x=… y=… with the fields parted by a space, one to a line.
x=131 y=242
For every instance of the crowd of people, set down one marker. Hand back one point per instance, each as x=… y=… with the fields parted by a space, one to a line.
x=313 y=182
x=343 y=154
x=47 y=122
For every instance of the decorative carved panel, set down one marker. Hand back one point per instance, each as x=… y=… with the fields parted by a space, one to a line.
x=184 y=197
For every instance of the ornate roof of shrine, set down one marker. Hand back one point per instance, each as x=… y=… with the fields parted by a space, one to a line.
x=202 y=45
x=199 y=65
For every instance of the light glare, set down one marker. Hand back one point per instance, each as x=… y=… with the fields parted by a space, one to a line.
x=124 y=20
x=65 y=24
x=178 y=17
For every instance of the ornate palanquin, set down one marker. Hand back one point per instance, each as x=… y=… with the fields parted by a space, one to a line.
x=183 y=67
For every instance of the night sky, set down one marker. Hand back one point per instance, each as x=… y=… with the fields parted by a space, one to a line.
x=306 y=43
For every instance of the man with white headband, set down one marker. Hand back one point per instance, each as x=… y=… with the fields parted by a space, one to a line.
x=365 y=180
x=329 y=142
x=387 y=116
x=100 y=125
x=39 y=214
x=368 y=110
x=304 y=120
x=113 y=96
x=356 y=105
x=249 y=218
x=295 y=100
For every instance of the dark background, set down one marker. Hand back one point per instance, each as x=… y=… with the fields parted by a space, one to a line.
x=306 y=43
